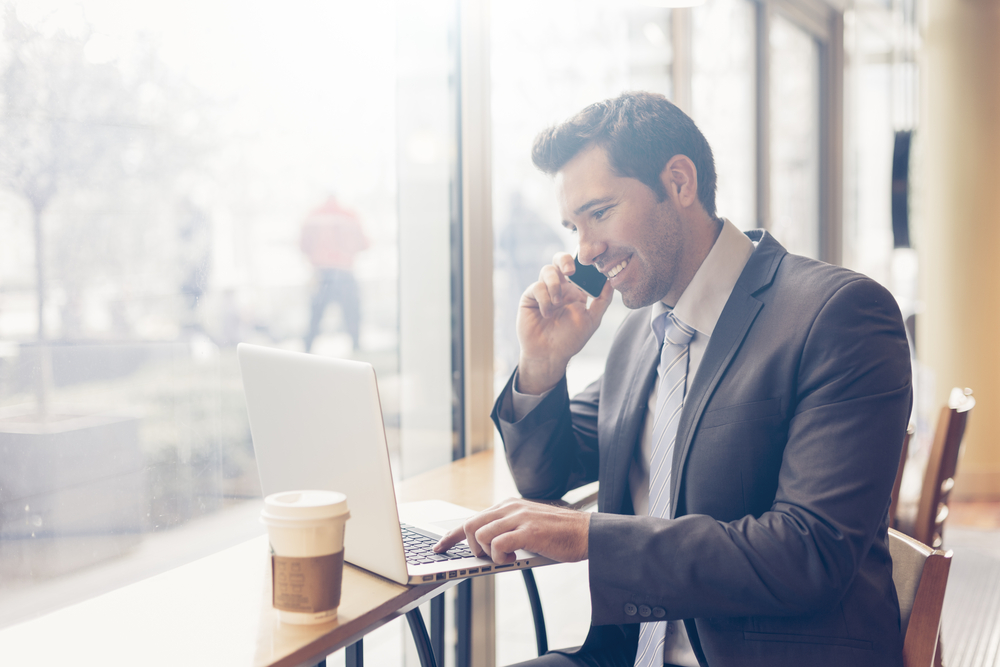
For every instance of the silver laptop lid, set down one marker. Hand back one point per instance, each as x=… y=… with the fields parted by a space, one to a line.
x=316 y=423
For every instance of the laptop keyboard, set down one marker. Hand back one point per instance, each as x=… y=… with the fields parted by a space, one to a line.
x=418 y=546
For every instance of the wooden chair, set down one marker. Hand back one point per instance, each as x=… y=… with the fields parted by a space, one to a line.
x=894 y=497
x=927 y=525
x=920 y=574
x=932 y=508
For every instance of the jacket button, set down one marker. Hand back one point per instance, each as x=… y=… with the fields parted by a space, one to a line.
x=659 y=612
x=644 y=610
x=630 y=609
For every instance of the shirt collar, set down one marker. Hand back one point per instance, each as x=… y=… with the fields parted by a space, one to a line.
x=701 y=304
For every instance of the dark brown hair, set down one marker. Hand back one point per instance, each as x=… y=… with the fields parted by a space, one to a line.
x=641 y=132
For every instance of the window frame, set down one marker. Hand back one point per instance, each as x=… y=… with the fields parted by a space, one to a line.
x=825 y=24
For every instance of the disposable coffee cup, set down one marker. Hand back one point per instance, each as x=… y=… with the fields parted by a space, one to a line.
x=306 y=531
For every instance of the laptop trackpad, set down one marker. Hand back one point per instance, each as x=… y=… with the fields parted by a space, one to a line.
x=436 y=516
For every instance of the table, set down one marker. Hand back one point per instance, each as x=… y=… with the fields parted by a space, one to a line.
x=217 y=610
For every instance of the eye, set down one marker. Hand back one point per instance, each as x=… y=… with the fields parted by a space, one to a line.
x=599 y=214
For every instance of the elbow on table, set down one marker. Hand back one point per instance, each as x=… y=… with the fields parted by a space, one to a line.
x=539 y=478
x=535 y=487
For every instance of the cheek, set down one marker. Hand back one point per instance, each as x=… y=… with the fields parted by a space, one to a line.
x=659 y=252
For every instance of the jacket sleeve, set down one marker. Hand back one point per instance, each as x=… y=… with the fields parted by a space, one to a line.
x=553 y=448
x=847 y=407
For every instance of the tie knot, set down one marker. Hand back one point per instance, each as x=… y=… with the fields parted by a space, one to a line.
x=671 y=330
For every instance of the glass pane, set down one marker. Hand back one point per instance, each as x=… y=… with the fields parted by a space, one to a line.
x=569 y=55
x=795 y=137
x=426 y=123
x=881 y=92
x=873 y=133
x=723 y=101
x=170 y=187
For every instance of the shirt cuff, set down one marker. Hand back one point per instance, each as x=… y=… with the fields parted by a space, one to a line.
x=522 y=404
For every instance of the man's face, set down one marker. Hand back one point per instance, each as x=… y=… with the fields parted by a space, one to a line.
x=632 y=238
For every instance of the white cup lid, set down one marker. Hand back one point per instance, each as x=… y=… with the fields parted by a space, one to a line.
x=304 y=505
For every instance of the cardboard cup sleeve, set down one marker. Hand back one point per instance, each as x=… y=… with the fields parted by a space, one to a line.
x=307 y=585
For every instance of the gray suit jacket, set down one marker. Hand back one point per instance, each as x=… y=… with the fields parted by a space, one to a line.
x=786 y=453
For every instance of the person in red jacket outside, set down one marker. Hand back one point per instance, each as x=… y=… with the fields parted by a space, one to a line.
x=331 y=239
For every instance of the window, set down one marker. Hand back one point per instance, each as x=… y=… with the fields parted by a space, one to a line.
x=724 y=103
x=567 y=56
x=170 y=187
x=795 y=137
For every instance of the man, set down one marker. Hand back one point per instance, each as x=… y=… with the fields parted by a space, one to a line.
x=331 y=238
x=745 y=432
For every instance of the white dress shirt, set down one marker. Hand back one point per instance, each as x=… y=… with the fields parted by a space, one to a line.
x=700 y=307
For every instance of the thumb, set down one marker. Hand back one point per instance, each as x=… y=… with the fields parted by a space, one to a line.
x=601 y=303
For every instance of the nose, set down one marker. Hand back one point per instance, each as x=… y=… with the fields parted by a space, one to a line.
x=591 y=247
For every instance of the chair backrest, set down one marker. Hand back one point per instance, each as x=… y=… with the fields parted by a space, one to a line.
x=920 y=574
x=894 y=497
x=939 y=476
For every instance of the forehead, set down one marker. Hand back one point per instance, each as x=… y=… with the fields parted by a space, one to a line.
x=588 y=174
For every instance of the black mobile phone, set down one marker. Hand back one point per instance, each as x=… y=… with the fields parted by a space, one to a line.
x=588 y=278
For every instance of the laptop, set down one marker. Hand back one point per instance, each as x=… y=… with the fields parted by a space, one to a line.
x=316 y=423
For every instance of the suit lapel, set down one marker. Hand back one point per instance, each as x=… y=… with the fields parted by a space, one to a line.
x=734 y=323
x=626 y=433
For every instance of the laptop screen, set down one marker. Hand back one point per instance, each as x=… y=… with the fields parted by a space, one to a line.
x=316 y=423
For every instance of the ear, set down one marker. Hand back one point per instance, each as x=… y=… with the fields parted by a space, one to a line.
x=680 y=178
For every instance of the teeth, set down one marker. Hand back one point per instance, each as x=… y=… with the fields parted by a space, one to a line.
x=616 y=270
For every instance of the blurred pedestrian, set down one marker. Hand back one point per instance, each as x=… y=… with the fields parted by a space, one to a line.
x=331 y=239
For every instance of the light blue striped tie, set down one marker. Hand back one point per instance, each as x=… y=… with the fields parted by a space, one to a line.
x=675 y=337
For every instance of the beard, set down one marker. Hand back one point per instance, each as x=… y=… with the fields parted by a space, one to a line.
x=653 y=288
x=634 y=300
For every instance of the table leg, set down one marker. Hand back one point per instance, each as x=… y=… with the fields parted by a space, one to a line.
x=437 y=628
x=541 y=639
x=420 y=638
x=463 y=622
x=354 y=655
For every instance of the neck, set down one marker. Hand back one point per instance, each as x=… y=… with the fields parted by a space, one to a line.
x=704 y=231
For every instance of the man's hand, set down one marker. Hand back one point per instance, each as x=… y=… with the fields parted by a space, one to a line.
x=554 y=322
x=556 y=532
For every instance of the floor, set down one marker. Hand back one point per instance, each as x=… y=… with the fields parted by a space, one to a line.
x=970 y=633
x=982 y=515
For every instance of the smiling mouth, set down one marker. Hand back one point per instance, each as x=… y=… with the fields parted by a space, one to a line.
x=615 y=270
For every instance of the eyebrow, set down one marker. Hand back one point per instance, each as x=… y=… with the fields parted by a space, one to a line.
x=592 y=203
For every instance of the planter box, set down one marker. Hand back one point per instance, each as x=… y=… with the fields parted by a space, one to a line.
x=72 y=491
